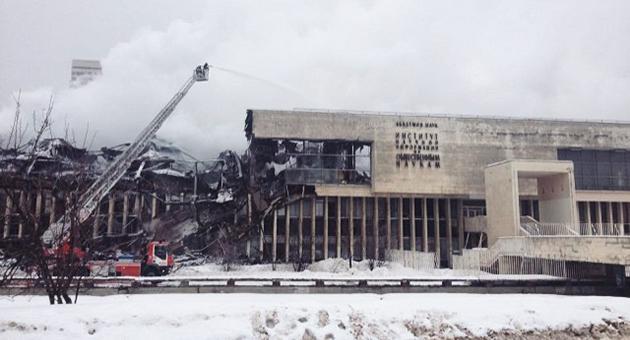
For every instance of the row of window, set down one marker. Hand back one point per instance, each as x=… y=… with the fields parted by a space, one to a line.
x=599 y=169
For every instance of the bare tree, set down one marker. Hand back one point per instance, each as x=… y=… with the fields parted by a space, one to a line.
x=58 y=266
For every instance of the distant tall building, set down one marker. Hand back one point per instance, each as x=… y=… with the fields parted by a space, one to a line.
x=84 y=71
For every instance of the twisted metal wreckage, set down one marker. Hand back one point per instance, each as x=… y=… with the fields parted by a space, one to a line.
x=212 y=207
x=160 y=195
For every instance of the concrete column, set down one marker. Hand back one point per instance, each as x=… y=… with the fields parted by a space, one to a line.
x=449 y=234
x=274 y=237
x=287 y=232
x=351 y=228
x=412 y=213
x=363 y=228
x=300 y=227
x=137 y=207
x=460 y=224
x=25 y=209
x=425 y=225
x=248 y=243
x=7 y=215
x=388 y=220
x=401 y=244
x=39 y=200
x=589 y=221
x=97 y=221
x=142 y=204
x=153 y=206
x=125 y=216
x=313 y=228
x=436 y=226
x=609 y=210
x=338 y=222
x=622 y=218
x=261 y=240
x=53 y=202
x=531 y=208
x=375 y=232
x=326 y=227
x=110 y=215
x=598 y=217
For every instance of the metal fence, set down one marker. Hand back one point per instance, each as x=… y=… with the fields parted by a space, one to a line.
x=531 y=227
x=512 y=256
x=413 y=259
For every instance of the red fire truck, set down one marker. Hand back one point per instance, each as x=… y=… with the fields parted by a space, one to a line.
x=157 y=261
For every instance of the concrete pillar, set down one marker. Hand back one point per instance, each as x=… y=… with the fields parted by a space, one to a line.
x=388 y=220
x=609 y=210
x=261 y=240
x=7 y=215
x=425 y=225
x=449 y=234
x=287 y=232
x=351 y=228
x=313 y=228
x=300 y=228
x=401 y=244
x=436 y=226
x=598 y=217
x=39 y=200
x=622 y=217
x=274 y=237
x=363 y=228
x=25 y=209
x=338 y=222
x=326 y=227
x=110 y=215
x=142 y=205
x=460 y=224
x=125 y=216
x=588 y=218
x=97 y=221
x=248 y=243
x=53 y=202
x=412 y=213
x=375 y=232
x=531 y=208
x=137 y=208
x=154 y=206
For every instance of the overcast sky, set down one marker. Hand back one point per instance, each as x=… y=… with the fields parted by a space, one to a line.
x=557 y=59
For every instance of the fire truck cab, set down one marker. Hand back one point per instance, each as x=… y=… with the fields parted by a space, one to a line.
x=157 y=260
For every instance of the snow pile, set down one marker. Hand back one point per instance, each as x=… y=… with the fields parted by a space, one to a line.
x=264 y=316
x=336 y=268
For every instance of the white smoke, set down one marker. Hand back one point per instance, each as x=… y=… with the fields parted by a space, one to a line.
x=561 y=59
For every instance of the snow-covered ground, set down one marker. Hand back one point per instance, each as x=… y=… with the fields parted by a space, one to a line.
x=335 y=268
x=259 y=316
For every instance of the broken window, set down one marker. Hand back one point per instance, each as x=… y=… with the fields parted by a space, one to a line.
x=314 y=162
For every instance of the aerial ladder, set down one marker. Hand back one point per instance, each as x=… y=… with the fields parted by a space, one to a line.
x=98 y=190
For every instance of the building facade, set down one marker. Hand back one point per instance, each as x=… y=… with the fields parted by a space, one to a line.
x=373 y=182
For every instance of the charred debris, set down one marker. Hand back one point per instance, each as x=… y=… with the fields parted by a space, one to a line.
x=211 y=207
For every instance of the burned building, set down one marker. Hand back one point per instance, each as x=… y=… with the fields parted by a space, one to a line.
x=347 y=184
x=154 y=199
x=319 y=184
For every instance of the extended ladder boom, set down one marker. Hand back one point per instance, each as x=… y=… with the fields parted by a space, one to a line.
x=90 y=199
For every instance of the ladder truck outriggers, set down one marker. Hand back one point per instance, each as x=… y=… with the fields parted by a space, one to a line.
x=156 y=260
